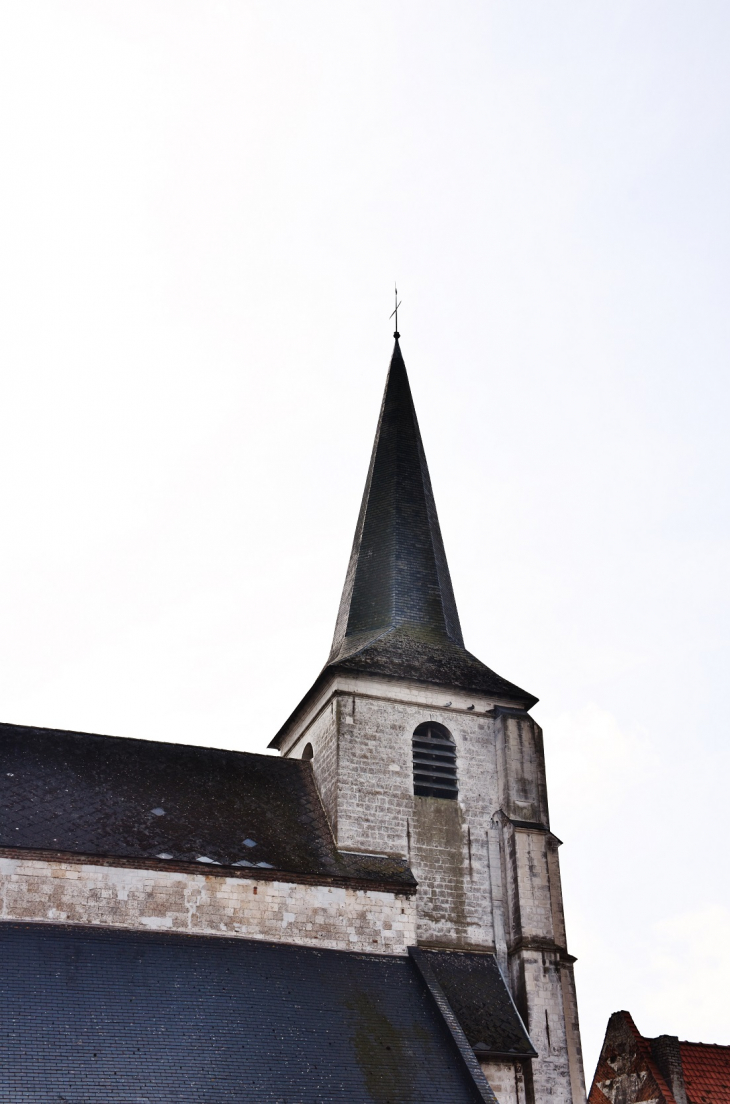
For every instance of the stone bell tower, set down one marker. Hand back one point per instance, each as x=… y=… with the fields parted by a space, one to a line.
x=421 y=751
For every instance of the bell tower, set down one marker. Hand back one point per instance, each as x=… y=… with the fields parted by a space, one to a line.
x=421 y=751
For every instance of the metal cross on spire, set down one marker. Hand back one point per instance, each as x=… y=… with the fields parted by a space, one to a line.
x=395 y=312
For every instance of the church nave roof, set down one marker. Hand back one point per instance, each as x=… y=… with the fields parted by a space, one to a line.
x=84 y=794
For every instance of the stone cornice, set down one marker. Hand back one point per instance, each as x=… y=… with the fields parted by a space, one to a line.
x=207 y=870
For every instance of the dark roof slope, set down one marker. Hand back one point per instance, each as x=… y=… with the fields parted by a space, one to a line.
x=89 y=1015
x=139 y=799
x=474 y=987
x=404 y=653
x=398 y=573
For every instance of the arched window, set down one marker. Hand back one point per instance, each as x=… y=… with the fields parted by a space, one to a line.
x=308 y=752
x=434 y=761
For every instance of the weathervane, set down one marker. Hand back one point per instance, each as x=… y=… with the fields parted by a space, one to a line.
x=395 y=312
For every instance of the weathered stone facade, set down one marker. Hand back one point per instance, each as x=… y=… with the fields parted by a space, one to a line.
x=486 y=864
x=206 y=904
x=507 y=1080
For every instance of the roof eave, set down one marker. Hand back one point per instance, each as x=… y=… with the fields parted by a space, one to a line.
x=331 y=670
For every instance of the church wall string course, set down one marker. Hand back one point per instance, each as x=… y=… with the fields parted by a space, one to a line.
x=363 y=839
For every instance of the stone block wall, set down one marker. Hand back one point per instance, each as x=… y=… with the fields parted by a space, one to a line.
x=313 y=915
x=522 y=785
x=364 y=772
x=572 y=1029
x=528 y=880
x=507 y=1081
x=540 y=968
x=537 y=988
x=361 y=732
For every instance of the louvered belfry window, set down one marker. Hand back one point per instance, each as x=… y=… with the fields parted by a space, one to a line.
x=434 y=762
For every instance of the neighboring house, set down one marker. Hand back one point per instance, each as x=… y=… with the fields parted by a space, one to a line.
x=663 y=1070
x=373 y=916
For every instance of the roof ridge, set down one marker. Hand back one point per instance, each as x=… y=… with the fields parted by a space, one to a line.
x=128 y=739
x=718 y=1046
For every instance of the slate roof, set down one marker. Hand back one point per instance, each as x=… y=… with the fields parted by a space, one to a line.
x=398 y=574
x=147 y=1018
x=81 y=793
x=404 y=653
x=474 y=987
x=706 y=1070
x=398 y=614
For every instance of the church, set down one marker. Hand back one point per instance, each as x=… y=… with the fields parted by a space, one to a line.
x=373 y=915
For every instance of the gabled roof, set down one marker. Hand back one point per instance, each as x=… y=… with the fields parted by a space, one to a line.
x=633 y=1068
x=119 y=1016
x=626 y=1070
x=80 y=793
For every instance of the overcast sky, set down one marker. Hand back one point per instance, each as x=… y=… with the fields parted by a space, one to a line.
x=203 y=208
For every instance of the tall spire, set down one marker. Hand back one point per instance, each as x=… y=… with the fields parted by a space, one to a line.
x=398 y=576
x=398 y=614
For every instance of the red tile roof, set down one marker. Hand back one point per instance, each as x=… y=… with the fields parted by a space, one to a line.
x=706 y=1070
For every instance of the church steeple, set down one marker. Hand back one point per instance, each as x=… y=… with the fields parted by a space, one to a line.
x=398 y=614
x=398 y=577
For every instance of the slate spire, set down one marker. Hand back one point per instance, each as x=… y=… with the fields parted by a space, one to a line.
x=398 y=614
x=398 y=577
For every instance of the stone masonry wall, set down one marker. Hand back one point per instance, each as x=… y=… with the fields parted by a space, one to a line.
x=322 y=735
x=364 y=772
x=540 y=967
x=572 y=1030
x=444 y=841
x=507 y=1081
x=537 y=987
x=319 y=916
x=522 y=786
x=531 y=905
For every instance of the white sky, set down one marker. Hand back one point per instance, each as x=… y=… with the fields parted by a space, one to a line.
x=203 y=209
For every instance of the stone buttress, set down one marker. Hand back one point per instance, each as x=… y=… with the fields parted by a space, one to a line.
x=474 y=827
